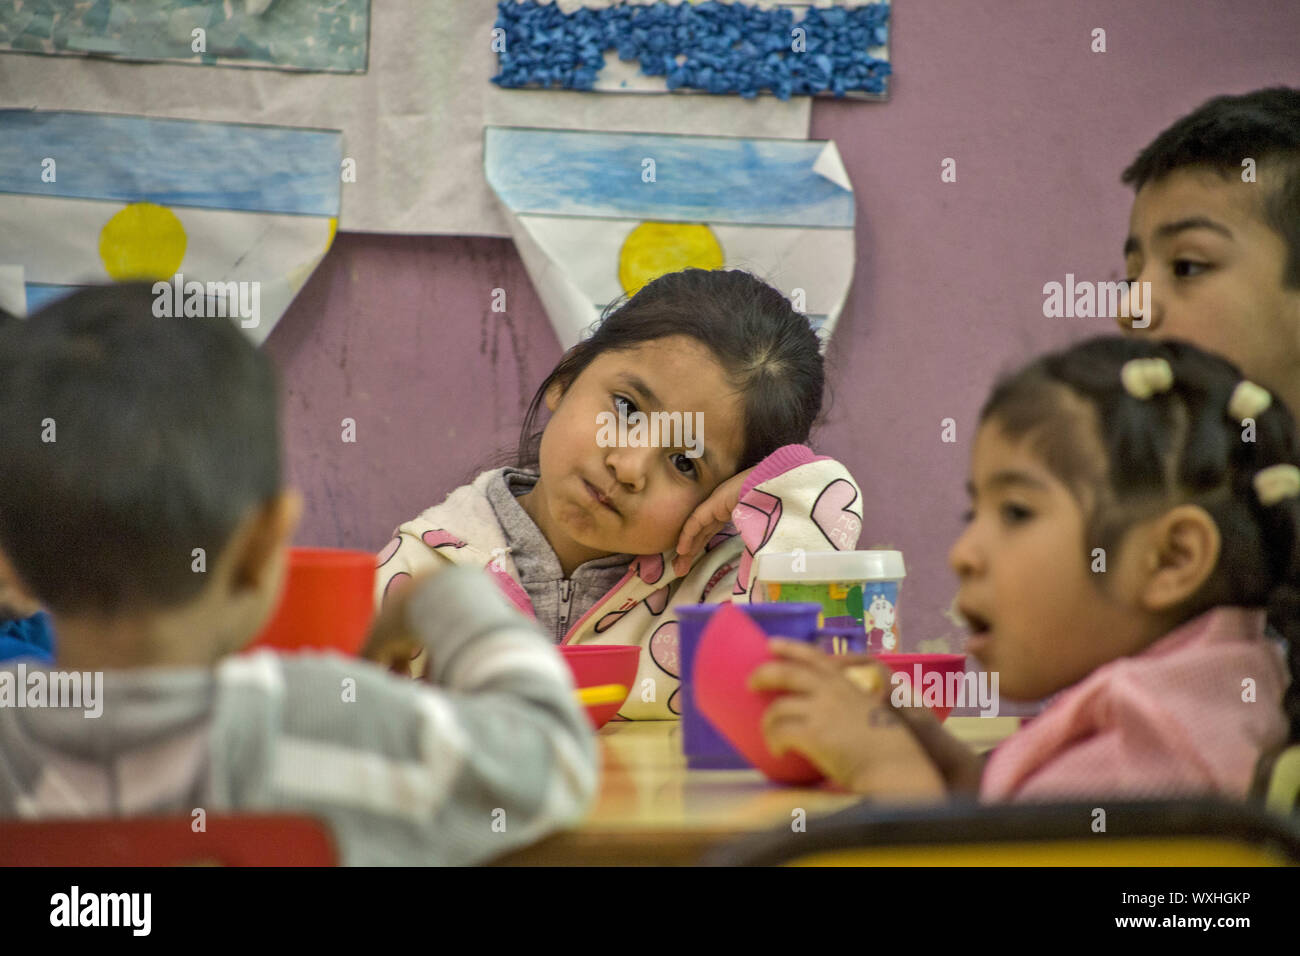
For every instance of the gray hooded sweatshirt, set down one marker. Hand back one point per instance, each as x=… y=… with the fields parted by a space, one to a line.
x=490 y=755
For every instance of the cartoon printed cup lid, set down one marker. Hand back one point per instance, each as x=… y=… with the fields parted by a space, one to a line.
x=816 y=566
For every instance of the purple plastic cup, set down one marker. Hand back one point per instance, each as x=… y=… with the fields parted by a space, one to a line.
x=704 y=746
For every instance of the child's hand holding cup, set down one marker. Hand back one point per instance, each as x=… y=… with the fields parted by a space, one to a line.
x=839 y=716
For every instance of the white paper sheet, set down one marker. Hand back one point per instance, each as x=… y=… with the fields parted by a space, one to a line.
x=589 y=228
x=13 y=291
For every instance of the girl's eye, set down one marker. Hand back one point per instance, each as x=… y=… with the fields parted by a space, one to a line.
x=1015 y=514
x=1188 y=268
x=631 y=406
x=678 y=458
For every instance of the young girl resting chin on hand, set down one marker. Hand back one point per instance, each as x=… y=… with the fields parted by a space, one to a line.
x=674 y=454
x=1160 y=458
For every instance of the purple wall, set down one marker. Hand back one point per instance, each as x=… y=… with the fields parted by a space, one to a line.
x=397 y=332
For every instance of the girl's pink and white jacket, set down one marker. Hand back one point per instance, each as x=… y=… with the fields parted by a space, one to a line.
x=792 y=499
x=1191 y=714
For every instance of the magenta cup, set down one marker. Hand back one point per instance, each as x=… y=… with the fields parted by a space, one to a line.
x=704 y=746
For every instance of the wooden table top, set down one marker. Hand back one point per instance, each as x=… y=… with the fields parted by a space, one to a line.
x=652 y=809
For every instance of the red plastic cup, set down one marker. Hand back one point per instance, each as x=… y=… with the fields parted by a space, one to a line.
x=328 y=602
x=594 y=665
x=940 y=664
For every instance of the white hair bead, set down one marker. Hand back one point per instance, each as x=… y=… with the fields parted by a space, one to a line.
x=1248 y=401
x=1145 y=377
x=1276 y=482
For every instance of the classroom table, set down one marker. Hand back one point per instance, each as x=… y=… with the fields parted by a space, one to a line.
x=653 y=810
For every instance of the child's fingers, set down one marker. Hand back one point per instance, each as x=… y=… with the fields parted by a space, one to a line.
x=784 y=724
x=870 y=678
x=710 y=516
x=845 y=661
x=689 y=530
x=781 y=739
x=784 y=676
x=695 y=532
x=806 y=654
x=787 y=708
x=392 y=650
x=794 y=650
x=686 y=555
x=395 y=657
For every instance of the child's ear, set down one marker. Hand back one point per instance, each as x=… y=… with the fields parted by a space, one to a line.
x=1183 y=550
x=263 y=536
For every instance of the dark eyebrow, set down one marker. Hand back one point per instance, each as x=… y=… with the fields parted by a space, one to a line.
x=1192 y=222
x=1003 y=479
x=1171 y=229
x=637 y=385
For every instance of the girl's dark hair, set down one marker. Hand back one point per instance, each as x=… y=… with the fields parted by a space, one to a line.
x=1179 y=446
x=770 y=352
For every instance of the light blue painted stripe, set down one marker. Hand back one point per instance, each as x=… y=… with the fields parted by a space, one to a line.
x=327 y=35
x=697 y=178
x=171 y=162
x=40 y=295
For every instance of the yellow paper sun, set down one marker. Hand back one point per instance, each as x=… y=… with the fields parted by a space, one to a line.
x=142 y=241
x=653 y=249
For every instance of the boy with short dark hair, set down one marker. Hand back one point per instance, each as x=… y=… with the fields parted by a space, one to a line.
x=1215 y=229
x=130 y=441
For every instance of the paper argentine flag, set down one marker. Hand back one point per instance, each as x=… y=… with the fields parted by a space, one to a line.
x=595 y=215
x=88 y=198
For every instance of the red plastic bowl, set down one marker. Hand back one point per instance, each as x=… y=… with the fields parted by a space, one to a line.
x=941 y=664
x=327 y=603
x=596 y=664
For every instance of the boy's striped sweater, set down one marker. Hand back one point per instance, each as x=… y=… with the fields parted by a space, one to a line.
x=492 y=755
